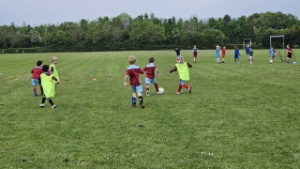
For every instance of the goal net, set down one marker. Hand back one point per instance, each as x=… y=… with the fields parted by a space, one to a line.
x=246 y=42
x=277 y=42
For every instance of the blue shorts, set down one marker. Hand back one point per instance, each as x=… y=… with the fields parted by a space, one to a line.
x=236 y=57
x=181 y=82
x=35 y=82
x=138 y=88
x=149 y=81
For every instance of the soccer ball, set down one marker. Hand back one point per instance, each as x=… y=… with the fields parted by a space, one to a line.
x=271 y=61
x=161 y=90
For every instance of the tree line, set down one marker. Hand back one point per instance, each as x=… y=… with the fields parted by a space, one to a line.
x=148 y=32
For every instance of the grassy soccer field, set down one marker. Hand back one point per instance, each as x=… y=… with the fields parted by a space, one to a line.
x=237 y=116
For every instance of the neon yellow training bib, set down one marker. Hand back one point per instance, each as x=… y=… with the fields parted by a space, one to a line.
x=55 y=73
x=183 y=71
x=48 y=85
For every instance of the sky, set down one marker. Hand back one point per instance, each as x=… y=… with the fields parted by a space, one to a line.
x=38 y=12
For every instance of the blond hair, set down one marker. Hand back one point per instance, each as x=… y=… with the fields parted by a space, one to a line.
x=53 y=58
x=131 y=59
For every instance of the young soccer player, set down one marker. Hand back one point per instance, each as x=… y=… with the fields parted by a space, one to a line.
x=184 y=74
x=35 y=77
x=272 y=54
x=217 y=54
x=133 y=73
x=177 y=50
x=247 y=52
x=48 y=83
x=52 y=68
x=151 y=71
x=223 y=54
x=195 y=52
x=251 y=56
x=289 y=53
x=237 y=55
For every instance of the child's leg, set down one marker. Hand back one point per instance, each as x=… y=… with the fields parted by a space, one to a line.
x=187 y=87
x=139 y=90
x=51 y=102
x=147 y=89
x=179 y=88
x=43 y=101
x=156 y=87
x=34 y=90
x=133 y=99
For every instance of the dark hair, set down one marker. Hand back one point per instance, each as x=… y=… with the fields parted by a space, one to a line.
x=151 y=60
x=45 y=68
x=39 y=63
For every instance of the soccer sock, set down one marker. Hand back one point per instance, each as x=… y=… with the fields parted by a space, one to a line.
x=179 y=88
x=34 y=89
x=43 y=99
x=141 y=100
x=133 y=101
x=186 y=86
x=147 y=88
x=156 y=86
x=51 y=102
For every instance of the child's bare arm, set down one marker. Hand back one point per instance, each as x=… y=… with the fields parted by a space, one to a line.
x=54 y=78
x=173 y=70
x=125 y=80
x=189 y=65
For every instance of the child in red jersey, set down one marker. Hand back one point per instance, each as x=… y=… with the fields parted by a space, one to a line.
x=133 y=73
x=151 y=71
x=223 y=54
x=35 y=77
x=195 y=52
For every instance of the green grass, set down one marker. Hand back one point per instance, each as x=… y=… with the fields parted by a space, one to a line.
x=238 y=116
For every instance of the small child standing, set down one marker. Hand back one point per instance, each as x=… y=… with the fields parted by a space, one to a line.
x=133 y=73
x=151 y=71
x=48 y=84
x=217 y=54
x=184 y=74
x=177 y=50
x=251 y=56
x=195 y=52
x=223 y=54
x=52 y=68
x=237 y=55
x=35 y=77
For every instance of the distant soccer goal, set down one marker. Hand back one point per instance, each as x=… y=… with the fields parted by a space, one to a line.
x=277 y=42
x=247 y=41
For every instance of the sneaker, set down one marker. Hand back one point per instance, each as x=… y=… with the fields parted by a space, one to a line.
x=147 y=93
x=41 y=105
x=36 y=94
x=53 y=106
x=190 y=89
x=177 y=93
x=142 y=106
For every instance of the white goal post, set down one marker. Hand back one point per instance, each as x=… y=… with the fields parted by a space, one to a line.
x=245 y=44
x=278 y=36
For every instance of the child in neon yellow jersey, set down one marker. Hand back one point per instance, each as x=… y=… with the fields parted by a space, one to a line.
x=52 y=68
x=184 y=74
x=48 y=84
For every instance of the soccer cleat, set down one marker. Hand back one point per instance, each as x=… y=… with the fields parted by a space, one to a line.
x=142 y=106
x=53 y=106
x=190 y=89
x=147 y=93
x=42 y=105
x=177 y=93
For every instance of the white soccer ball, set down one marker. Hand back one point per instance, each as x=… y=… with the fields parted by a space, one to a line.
x=271 y=61
x=161 y=90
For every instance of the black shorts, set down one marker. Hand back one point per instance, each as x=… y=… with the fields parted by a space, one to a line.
x=289 y=55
